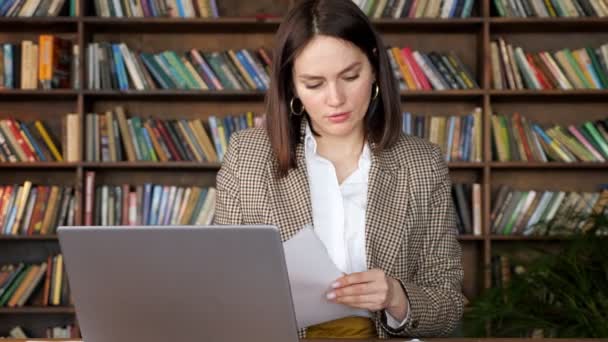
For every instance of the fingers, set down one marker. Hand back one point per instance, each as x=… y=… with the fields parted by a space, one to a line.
x=370 y=302
x=354 y=290
x=359 y=277
x=365 y=290
x=368 y=294
x=357 y=300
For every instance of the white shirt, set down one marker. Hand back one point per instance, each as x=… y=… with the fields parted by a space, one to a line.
x=338 y=210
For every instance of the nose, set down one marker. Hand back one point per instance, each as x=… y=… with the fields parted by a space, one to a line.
x=335 y=95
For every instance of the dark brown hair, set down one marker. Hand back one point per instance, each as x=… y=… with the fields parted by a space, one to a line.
x=344 y=20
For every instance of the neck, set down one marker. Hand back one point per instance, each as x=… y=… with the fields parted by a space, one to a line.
x=340 y=148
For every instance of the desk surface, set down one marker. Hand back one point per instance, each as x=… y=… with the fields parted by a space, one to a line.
x=424 y=340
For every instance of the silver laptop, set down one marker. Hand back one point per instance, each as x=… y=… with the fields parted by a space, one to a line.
x=184 y=283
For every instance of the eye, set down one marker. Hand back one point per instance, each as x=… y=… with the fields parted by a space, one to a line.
x=351 y=78
x=313 y=86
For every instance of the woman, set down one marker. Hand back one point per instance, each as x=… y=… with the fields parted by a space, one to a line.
x=332 y=155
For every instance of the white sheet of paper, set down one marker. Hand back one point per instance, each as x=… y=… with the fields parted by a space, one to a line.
x=311 y=273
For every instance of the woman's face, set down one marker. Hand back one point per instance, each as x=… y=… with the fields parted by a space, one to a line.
x=333 y=79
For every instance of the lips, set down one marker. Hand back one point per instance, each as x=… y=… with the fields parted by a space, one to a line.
x=339 y=117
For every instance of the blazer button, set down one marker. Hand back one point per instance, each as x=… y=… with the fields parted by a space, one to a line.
x=415 y=324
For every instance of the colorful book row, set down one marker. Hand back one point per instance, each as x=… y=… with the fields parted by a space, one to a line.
x=551 y=8
x=114 y=137
x=396 y=9
x=43 y=284
x=147 y=204
x=467 y=204
x=545 y=212
x=157 y=8
x=38 y=8
x=49 y=63
x=27 y=210
x=22 y=141
x=565 y=69
x=515 y=138
x=459 y=136
x=416 y=70
x=116 y=66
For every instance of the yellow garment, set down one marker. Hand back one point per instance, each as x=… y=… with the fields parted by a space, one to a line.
x=349 y=327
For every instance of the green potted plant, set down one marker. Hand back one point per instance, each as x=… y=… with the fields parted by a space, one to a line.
x=562 y=294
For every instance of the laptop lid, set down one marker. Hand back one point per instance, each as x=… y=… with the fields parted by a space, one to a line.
x=179 y=283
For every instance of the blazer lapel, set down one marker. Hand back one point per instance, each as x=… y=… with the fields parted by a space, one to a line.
x=290 y=196
x=387 y=206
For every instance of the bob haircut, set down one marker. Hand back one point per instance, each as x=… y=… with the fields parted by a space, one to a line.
x=340 y=19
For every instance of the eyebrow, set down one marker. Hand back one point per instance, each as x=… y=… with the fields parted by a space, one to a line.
x=348 y=68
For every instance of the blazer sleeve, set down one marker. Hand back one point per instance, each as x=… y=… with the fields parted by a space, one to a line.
x=435 y=291
x=228 y=205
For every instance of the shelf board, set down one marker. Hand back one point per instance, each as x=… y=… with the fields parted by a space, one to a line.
x=501 y=24
x=39 y=165
x=37 y=310
x=38 y=24
x=549 y=165
x=578 y=94
x=246 y=24
x=39 y=94
x=465 y=165
x=181 y=25
x=28 y=238
x=175 y=94
x=469 y=238
x=151 y=165
x=529 y=238
x=254 y=94
x=428 y=25
x=442 y=94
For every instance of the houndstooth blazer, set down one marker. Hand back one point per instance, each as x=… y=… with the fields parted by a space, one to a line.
x=410 y=222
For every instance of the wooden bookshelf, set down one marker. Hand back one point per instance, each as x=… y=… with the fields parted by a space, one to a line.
x=549 y=24
x=556 y=238
x=470 y=38
x=29 y=238
x=37 y=311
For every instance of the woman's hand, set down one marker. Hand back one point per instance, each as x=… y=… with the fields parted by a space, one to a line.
x=372 y=290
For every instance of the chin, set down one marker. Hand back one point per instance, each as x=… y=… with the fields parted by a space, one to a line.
x=343 y=129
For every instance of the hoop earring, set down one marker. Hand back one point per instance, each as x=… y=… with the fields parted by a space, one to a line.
x=376 y=92
x=293 y=112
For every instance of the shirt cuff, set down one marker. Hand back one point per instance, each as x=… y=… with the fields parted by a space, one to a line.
x=393 y=323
